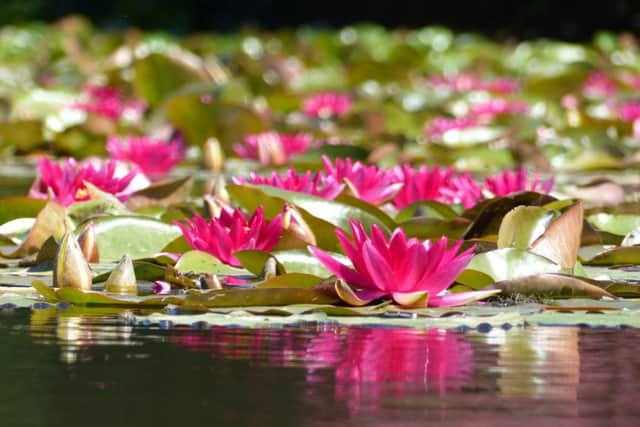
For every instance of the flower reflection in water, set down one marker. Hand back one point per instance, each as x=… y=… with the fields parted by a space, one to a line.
x=365 y=365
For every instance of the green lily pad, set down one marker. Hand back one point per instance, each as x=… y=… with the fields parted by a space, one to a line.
x=202 y=262
x=511 y=263
x=137 y=236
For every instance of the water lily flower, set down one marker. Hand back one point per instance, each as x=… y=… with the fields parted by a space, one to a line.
x=65 y=183
x=368 y=183
x=439 y=125
x=462 y=189
x=272 y=148
x=154 y=157
x=465 y=82
x=315 y=184
x=108 y=102
x=231 y=232
x=421 y=184
x=598 y=85
x=630 y=112
x=412 y=272
x=326 y=105
x=498 y=107
x=509 y=182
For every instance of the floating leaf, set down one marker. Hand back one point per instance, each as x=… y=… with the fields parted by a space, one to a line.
x=552 y=285
x=202 y=262
x=50 y=222
x=157 y=75
x=291 y=280
x=511 y=263
x=200 y=120
x=162 y=194
x=616 y=256
x=561 y=241
x=257 y=297
x=487 y=216
x=138 y=236
x=522 y=225
x=619 y=224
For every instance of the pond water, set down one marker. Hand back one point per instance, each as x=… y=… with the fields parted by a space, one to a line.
x=66 y=370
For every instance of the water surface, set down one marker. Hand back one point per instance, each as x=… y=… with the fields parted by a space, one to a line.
x=67 y=370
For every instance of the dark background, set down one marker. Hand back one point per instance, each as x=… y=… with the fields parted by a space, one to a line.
x=570 y=20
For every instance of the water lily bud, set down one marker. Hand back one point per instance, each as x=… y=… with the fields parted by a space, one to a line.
x=292 y=221
x=212 y=155
x=71 y=269
x=122 y=279
x=210 y=281
x=88 y=243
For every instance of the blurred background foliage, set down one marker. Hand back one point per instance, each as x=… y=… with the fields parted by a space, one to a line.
x=569 y=20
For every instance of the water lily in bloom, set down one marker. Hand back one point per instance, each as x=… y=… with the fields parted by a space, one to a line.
x=366 y=182
x=326 y=105
x=498 y=107
x=509 y=182
x=421 y=184
x=315 y=184
x=65 y=183
x=599 y=85
x=462 y=189
x=272 y=148
x=108 y=102
x=154 y=157
x=231 y=231
x=630 y=112
x=465 y=82
x=411 y=271
x=439 y=125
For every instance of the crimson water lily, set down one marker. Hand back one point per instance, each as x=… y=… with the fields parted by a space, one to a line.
x=465 y=82
x=315 y=184
x=498 y=107
x=326 y=105
x=366 y=182
x=440 y=125
x=630 y=112
x=65 y=183
x=154 y=157
x=411 y=271
x=599 y=84
x=108 y=102
x=437 y=184
x=231 y=231
x=272 y=148
x=509 y=182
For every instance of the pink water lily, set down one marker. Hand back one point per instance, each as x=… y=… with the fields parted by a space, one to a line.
x=427 y=184
x=231 y=231
x=509 y=182
x=272 y=148
x=498 y=107
x=315 y=184
x=366 y=182
x=108 y=102
x=462 y=189
x=465 y=82
x=630 y=112
x=440 y=125
x=326 y=105
x=154 y=157
x=65 y=183
x=412 y=272
x=599 y=84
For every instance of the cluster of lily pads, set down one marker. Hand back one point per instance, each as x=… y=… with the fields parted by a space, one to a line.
x=387 y=170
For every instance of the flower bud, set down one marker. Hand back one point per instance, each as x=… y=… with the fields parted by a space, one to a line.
x=88 y=243
x=71 y=269
x=122 y=280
